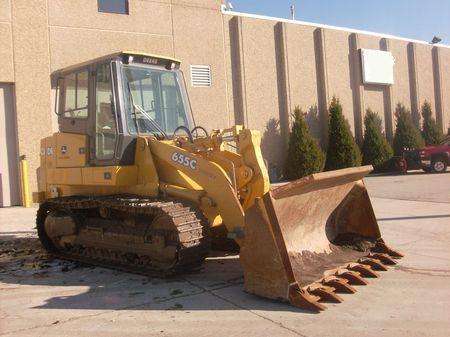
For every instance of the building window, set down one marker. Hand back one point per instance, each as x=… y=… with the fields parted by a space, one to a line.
x=200 y=76
x=113 y=6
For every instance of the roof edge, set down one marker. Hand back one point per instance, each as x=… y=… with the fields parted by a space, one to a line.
x=320 y=25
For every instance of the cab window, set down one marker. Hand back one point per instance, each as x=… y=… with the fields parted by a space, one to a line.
x=153 y=97
x=75 y=90
x=105 y=116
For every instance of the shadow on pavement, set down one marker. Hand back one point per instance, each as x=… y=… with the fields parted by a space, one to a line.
x=217 y=286
x=415 y=217
x=410 y=173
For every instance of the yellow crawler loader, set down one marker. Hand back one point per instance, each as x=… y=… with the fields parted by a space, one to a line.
x=130 y=182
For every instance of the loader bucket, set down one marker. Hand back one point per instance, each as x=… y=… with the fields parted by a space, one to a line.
x=311 y=238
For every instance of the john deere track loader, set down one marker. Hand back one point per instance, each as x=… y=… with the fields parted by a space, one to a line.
x=129 y=182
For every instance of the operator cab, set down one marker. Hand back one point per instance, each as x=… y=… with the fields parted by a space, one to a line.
x=117 y=97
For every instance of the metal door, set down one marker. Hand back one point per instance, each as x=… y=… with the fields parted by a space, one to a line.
x=9 y=166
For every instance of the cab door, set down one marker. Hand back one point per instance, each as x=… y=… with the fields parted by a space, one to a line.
x=104 y=118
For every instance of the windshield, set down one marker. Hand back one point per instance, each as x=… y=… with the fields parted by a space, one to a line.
x=153 y=100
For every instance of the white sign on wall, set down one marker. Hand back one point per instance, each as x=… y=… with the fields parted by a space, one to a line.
x=377 y=66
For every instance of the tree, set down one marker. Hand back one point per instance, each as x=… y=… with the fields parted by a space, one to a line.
x=407 y=135
x=342 y=149
x=376 y=150
x=431 y=132
x=304 y=155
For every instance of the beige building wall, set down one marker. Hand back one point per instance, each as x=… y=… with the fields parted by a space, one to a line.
x=88 y=44
x=401 y=89
x=5 y=11
x=338 y=71
x=373 y=95
x=201 y=41
x=425 y=79
x=261 y=68
x=6 y=53
x=84 y=13
x=260 y=75
x=231 y=69
x=445 y=88
x=302 y=85
x=31 y=78
x=261 y=81
x=78 y=32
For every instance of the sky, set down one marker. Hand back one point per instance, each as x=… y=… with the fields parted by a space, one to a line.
x=414 y=19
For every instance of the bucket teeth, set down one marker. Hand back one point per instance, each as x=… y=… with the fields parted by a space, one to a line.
x=384 y=258
x=326 y=293
x=362 y=269
x=353 y=277
x=339 y=284
x=381 y=247
x=339 y=281
x=303 y=299
x=375 y=264
x=314 y=231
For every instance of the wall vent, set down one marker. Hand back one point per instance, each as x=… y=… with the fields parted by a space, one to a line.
x=200 y=76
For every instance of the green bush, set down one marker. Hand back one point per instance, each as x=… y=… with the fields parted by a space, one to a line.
x=407 y=135
x=431 y=132
x=304 y=155
x=376 y=150
x=342 y=150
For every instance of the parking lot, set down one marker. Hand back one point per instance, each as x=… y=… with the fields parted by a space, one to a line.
x=43 y=297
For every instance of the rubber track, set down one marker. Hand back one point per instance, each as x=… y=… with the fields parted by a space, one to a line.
x=190 y=253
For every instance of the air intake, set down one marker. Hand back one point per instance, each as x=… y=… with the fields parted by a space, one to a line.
x=200 y=76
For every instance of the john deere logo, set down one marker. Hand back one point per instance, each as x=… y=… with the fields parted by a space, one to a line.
x=64 y=149
x=149 y=60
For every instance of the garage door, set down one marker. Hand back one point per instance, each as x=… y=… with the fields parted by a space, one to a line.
x=9 y=170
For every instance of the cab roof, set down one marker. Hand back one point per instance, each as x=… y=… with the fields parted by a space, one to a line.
x=143 y=58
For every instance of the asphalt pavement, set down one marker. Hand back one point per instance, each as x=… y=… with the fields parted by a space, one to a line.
x=45 y=297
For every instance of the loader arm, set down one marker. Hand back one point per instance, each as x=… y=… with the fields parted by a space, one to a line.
x=216 y=190
x=222 y=182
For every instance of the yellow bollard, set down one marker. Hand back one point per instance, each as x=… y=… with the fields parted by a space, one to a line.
x=26 y=197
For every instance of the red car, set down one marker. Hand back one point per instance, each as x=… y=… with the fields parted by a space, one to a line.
x=436 y=158
x=433 y=158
